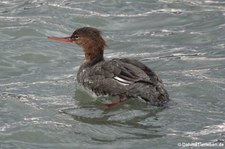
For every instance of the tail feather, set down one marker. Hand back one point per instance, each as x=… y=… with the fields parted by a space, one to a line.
x=154 y=94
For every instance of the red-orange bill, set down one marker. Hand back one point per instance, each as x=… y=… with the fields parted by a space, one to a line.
x=63 y=39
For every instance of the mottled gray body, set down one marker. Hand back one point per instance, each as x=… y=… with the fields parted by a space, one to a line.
x=125 y=78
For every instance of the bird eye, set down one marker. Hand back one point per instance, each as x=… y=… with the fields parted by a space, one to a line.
x=75 y=37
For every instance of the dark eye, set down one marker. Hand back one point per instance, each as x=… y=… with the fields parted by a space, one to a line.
x=75 y=37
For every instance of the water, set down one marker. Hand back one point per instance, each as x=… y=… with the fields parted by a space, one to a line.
x=41 y=106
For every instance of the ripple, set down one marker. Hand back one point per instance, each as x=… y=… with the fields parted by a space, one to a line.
x=114 y=123
x=32 y=58
x=207 y=130
x=41 y=107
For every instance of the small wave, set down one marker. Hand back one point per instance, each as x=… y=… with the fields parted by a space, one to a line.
x=220 y=128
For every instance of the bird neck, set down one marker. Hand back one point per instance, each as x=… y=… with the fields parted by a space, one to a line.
x=93 y=56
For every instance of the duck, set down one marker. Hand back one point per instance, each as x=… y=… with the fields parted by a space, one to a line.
x=125 y=78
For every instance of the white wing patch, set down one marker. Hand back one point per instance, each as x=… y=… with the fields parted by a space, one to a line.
x=122 y=81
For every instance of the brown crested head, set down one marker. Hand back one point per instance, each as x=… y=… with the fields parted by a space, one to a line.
x=91 y=41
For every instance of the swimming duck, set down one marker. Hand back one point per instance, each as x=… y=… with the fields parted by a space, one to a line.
x=122 y=77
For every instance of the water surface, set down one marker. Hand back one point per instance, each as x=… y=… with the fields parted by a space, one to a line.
x=41 y=106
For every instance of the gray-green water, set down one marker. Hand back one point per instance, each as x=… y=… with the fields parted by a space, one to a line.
x=182 y=40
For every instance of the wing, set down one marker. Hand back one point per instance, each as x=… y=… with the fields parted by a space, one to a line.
x=129 y=71
x=115 y=77
x=151 y=75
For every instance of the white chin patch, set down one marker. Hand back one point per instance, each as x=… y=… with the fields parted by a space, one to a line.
x=122 y=81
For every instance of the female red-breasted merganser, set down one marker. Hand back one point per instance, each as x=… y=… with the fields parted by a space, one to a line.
x=123 y=77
